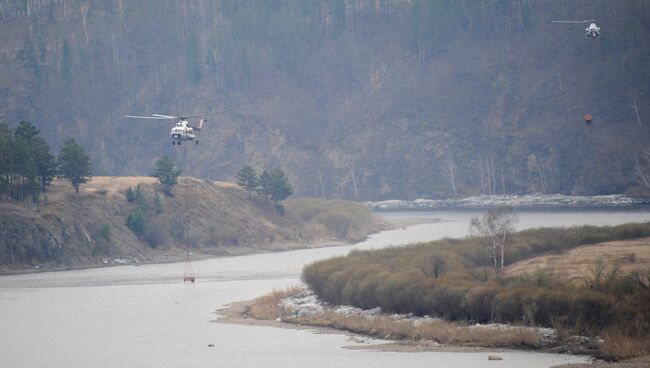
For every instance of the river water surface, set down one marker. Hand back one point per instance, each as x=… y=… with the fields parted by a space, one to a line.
x=144 y=316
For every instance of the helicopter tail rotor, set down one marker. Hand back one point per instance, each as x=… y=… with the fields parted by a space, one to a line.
x=200 y=126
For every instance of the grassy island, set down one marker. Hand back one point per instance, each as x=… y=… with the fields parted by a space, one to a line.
x=606 y=297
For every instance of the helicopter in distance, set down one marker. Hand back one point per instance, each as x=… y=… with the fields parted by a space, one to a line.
x=593 y=31
x=182 y=131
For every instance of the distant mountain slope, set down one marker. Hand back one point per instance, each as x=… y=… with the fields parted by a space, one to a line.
x=209 y=218
x=357 y=99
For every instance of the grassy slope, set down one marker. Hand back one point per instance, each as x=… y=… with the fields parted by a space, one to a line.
x=211 y=217
x=574 y=264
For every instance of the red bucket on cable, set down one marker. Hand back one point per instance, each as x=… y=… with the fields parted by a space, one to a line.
x=188 y=276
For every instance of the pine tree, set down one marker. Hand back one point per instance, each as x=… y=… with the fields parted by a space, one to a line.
x=23 y=173
x=44 y=160
x=280 y=186
x=5 y=156
x=40 y=152
x=166 y=173
x=265 y=186
x=130 y=195
x=25 y=131
x=105 y=232
x=74 y=163
x=157 y=203
x=141 y=201
x=66 y=62
x=247 y=179
x=135 y=221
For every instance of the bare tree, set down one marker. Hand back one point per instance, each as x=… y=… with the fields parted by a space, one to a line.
x=642 y=167
x=494 y=231
x=635 y=107
x=84 y=15
x=354 y=185
x=449 y=171
x=601 y=276
x=532 y=165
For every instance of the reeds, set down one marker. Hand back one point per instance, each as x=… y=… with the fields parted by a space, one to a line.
x=267 y=307
x=439 y=331
x=617 y=345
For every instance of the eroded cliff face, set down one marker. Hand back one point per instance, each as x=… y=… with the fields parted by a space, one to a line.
x=209 y=218
x=26 y=239
x=356 y=99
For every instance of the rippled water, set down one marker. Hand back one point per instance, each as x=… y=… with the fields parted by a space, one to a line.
x=144 y=316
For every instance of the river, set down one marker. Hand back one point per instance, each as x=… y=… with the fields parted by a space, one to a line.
x=144 y=316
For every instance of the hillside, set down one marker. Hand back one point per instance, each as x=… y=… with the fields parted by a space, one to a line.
x=357 y=99
x=210 y=218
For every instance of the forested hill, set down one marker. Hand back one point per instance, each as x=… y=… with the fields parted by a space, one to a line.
x=357 y=99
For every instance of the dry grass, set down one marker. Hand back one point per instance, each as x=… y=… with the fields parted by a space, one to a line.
x=117 y=183
x=631 y=255
x=225 y=184
x=618 y=346
x=440 y=331
x=267 y=306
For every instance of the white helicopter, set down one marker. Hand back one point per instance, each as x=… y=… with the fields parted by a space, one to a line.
x=182 y=131
x=593 y=31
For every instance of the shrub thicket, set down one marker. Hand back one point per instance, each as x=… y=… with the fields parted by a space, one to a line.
x=344 y=219
x=105 y=232
x=135 y=222
x=130 y=194
x=413 y=280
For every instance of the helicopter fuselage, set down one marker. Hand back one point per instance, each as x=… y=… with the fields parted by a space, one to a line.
x=592 y=31
x=182 y=132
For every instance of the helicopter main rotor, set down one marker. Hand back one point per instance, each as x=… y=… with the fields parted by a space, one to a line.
x=574 y=21
x=170 y=117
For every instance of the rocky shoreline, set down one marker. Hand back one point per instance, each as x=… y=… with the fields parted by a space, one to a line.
x=519 y=201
